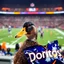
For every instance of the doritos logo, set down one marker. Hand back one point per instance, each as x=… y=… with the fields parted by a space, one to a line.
x=38 y=54
x=45 y=54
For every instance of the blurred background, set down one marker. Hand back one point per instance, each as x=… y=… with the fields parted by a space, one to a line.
x=47 y=15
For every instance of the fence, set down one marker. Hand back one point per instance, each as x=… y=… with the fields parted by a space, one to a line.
x=6 y=59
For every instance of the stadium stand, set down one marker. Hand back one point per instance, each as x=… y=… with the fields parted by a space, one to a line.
x=17 y=21
x=42 y=9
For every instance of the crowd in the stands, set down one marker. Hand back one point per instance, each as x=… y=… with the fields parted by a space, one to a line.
x=4 y=51
x=17 y=21
x=45 y=8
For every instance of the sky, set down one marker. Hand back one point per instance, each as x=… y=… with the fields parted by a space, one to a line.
x=27 y=2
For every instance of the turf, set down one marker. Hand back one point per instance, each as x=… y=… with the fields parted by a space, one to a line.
x=49 y=35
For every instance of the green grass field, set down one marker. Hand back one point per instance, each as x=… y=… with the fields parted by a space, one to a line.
x=49 y=35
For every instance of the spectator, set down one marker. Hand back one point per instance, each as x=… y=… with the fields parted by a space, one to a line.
x=0 y=47
x=16 y=47
x=2 y=52
x=4 y=46
x=8 y=52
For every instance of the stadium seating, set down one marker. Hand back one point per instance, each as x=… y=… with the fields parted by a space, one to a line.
x=44 y=8
x=17 y=21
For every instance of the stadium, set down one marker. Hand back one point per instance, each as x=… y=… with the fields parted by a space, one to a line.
x=45 y=14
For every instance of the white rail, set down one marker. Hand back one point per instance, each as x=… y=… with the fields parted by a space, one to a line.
x=6 y=59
